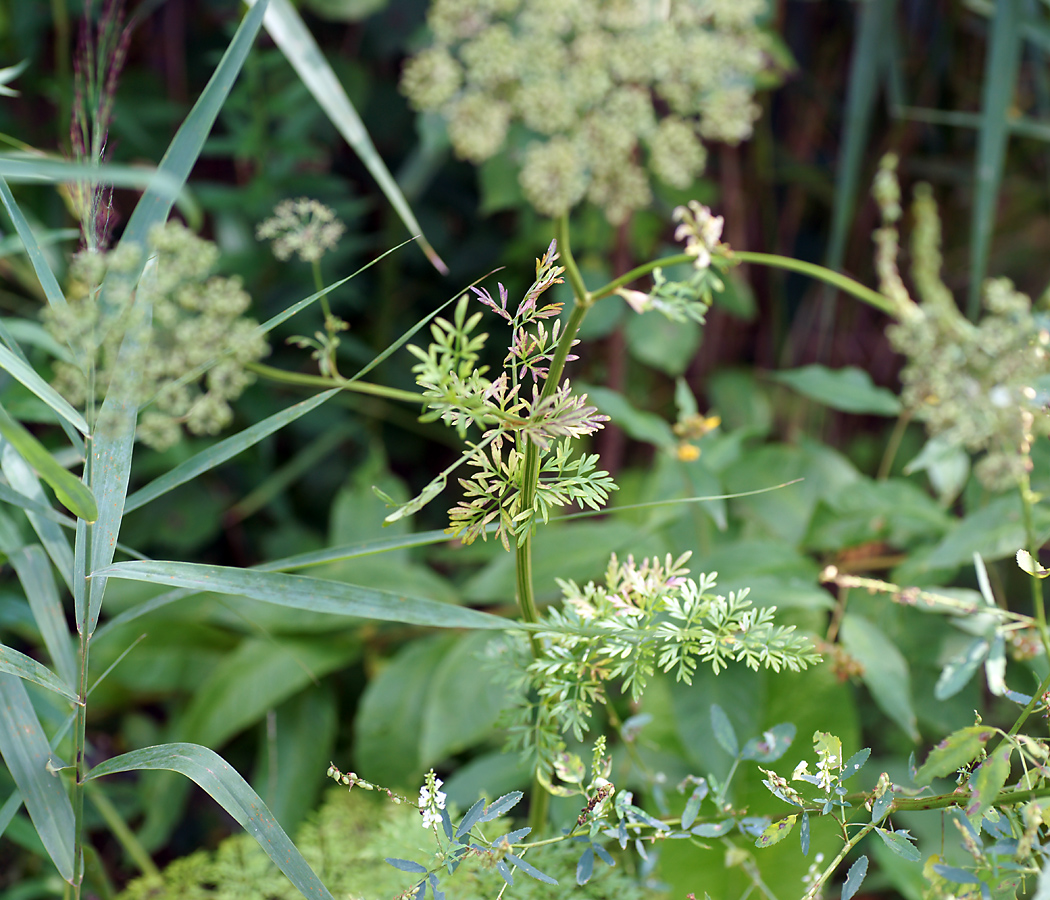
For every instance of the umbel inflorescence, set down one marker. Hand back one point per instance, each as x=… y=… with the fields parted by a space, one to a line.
x=603 y=89
x=178 y=333
x=978 y=385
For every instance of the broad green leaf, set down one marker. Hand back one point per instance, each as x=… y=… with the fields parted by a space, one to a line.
x=854 y=878
x=772 y=745
x=46 y=522
x=25 y=749
x=302 y=592
x=881 y=806
x=958 y=671
x=253 y=679
x=463 y=701
x=776 y=832
x=886 y=672
x=222 y=451
x=955 y=751
x=900 y=843
x=386 y=729
x=295 y=762
x=994 y=531
x=665 y=345
x=855 y=763
x=225 y=785
x=947 y=465
x=987 y=781
x=638 y=424
x=585 y=866
x=407 y=865
x=34 y=572
x=71 y=492
x=16 y=663
x=260 y=674
x=849 y=389
x=292 y=36
x=24 y=373
x=997 y=93
x=37 y=258
x=723 y=730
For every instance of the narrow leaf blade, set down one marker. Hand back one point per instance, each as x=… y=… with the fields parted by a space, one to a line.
x=25 y=749
x=231 y=791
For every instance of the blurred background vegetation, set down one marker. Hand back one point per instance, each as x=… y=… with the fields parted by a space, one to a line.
x=958 y=90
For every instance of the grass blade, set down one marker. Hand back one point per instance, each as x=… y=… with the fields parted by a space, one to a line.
x=32 y=169
x=353 y=551
x=292 y=36
x=302 y=592
x=45 y=521
x=155 y=204
x=873 y=19
x=71 y=492
x=231 y=791
x=34 y=572
x=111 y=460
x=27 y=754
x=22 y=372
x=36 y=255
x=1000 y=79
x=222 y=451
x=15 y=663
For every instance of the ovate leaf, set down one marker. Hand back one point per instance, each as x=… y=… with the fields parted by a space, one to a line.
x=849 y=390
x=854 y=878
x=776 y=832
x=956 y=750
x=987 y=781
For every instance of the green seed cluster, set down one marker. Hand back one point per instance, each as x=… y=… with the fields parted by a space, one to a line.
x=981 y=386
x=606 y=89
x=181 y=335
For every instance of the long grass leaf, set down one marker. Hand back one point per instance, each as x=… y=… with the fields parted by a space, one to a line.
x=231 y=791
x=292 y=36
x=33 y=569
x=36 y=255
x=16 y=663
x=155 y=204
x=20 y=167
x=27 y=376
x=45 y=521
x=222 y=451
x=302 y=592
x=353 y=551
x=873 y=17
x=1000 y=81
x=112 y=451
x=71 y=492
x=27 y=754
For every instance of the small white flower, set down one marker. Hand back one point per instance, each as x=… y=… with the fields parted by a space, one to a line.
x=700 y=230
x=431 y=801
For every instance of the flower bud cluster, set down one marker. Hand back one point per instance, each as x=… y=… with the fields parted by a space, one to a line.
x=185 y=338
x=604 y=89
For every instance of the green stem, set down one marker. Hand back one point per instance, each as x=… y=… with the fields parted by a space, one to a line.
x=319 y=381
x=540 y=799
x=816 y=889
x=1031 y=544
x=893 y=446
x=79 y=765
x=772 y=260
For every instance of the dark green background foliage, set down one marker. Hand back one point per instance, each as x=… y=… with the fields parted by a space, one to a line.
x=282 y=692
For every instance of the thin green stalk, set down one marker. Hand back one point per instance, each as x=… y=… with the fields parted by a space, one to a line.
x=539 y=798
x=893 y=445
x=79 y=765
x=1032 y=545
x=320 y=381
x=772 y=260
